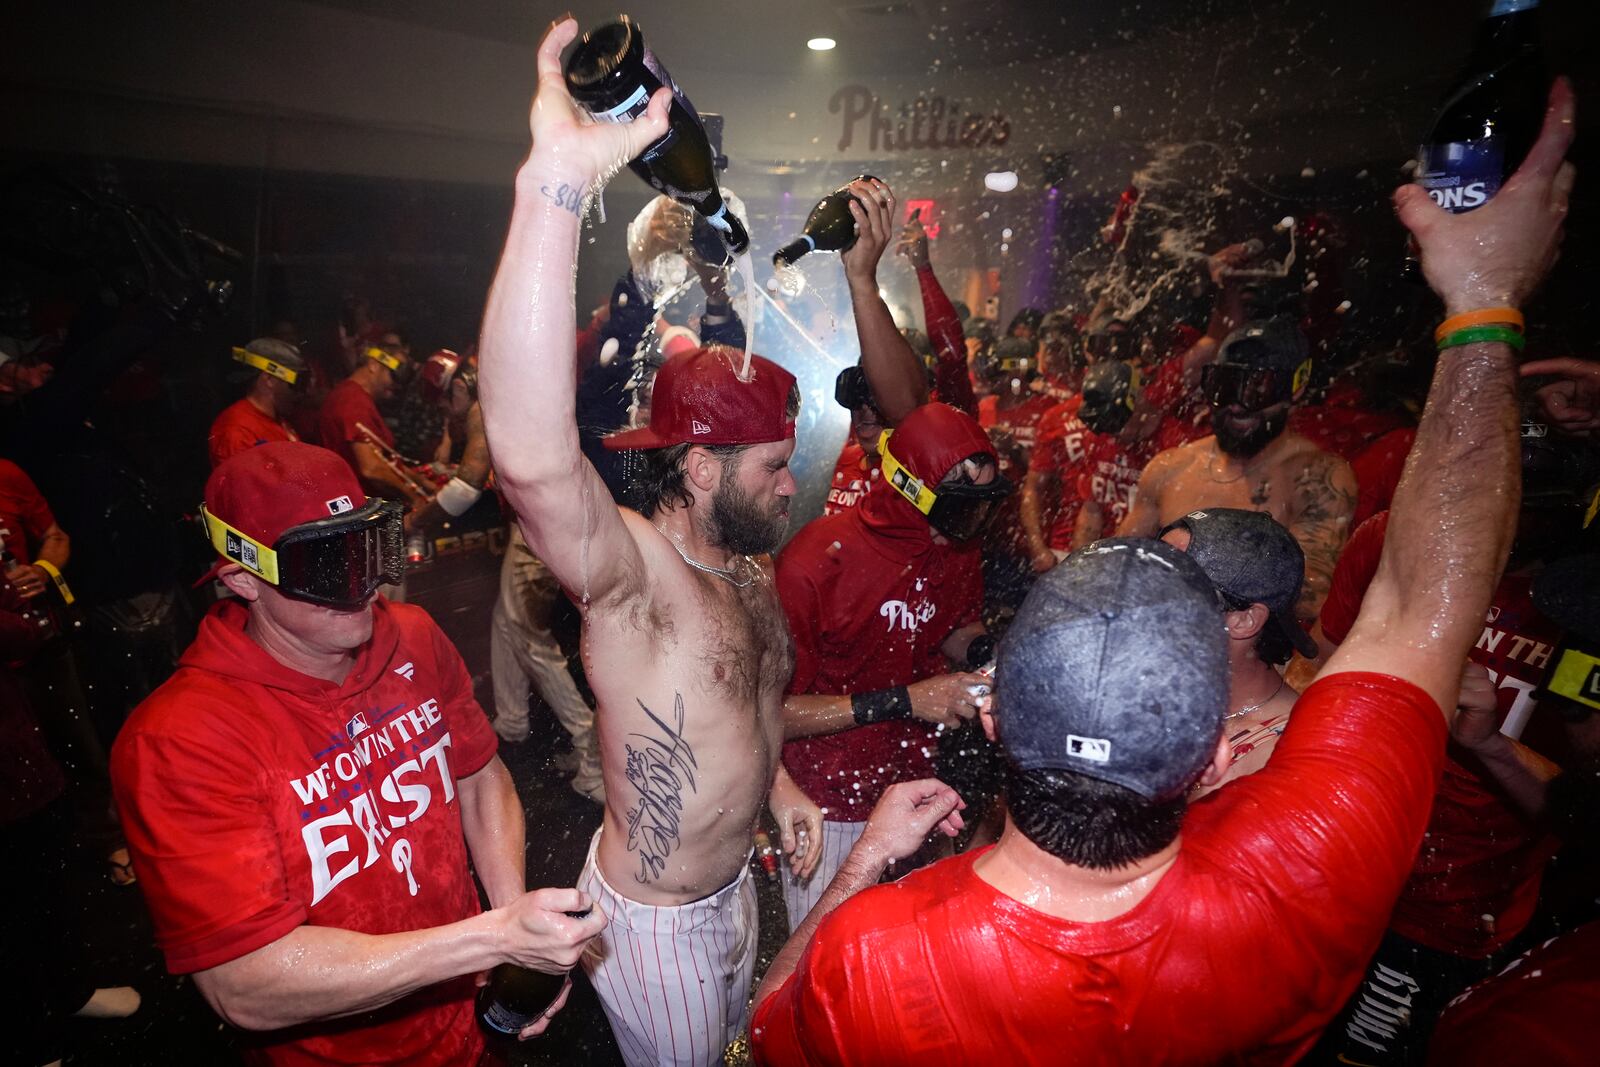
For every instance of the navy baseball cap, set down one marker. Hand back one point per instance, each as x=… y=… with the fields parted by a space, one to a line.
x=1251 y=557
x=1116 y=667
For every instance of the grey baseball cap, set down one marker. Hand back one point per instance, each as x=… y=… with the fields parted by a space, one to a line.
x=1251 y=557
x=1116 y=667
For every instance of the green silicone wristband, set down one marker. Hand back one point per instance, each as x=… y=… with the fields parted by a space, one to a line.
x=1474 y=335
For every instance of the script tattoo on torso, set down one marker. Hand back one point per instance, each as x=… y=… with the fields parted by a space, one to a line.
x=661 y=767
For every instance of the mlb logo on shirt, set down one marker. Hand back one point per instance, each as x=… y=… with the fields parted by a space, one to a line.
x=356 y=726
x=339 y=505
x=1097 y=749
x=698 y=427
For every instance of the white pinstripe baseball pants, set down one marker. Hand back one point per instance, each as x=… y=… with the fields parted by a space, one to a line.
x=674 y=981
x=800 y=897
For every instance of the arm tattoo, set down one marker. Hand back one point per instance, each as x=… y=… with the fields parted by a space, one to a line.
x=1323 y=507
x=564 y=196
x=660 y=769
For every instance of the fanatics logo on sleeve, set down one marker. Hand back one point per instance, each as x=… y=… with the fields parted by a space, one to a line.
x=1097 y=749
x=406 y=670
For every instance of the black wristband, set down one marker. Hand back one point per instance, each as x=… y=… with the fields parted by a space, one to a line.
x=980 y=652
x=881 y=705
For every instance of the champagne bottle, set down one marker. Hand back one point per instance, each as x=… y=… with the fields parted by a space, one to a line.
x=515 y=997
x=1491 y=116
x=612 y=75
x=829 y=228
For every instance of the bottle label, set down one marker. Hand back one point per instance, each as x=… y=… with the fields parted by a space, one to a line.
x=502 y=1019
x=1461 y=175
x=720 y=219
x=628 y=110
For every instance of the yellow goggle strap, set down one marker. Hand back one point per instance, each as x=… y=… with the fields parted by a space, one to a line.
x=266 y=366
x=378 y=355
x=1577 y=677
x=905 y=483
x=55 y=576
x=239 y=547
x=1302 y=375
x=1135 y=380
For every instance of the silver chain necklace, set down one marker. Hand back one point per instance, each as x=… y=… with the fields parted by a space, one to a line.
x=725 y=573
x=1256 y=707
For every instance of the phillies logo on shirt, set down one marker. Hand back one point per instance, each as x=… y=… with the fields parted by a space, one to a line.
x=384 y=777
x=906 y=616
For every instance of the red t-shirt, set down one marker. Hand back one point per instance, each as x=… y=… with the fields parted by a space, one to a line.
x=1342 y=423
x=1060 y=446
x=242 y=426
x=1108 y=474
x=1240 y=954
x=1021 y=420
x=347 y=405
x=853 y=474
x=1476 y=880
x=24 y=514
x=866 y=615
x=257 y=799
x=1540 y=1010
x=1187 y=409
x=1378 y=468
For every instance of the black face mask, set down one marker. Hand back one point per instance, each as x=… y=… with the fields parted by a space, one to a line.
x=1259 y=429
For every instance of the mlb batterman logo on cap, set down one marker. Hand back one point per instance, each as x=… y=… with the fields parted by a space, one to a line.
x=699 y=398
x=1116 y=668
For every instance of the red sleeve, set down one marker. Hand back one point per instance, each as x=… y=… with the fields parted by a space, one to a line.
x=951 y=382
x=1328 y=831
x=473 y=741
x=1358 y=562
x=1377 y=469
x=1048 y=457
x=204 y=845
x=229 y=439
x=19 y=636
x=803 y=608
x=32 y=507
x=802 y=1024
x=1165 y=390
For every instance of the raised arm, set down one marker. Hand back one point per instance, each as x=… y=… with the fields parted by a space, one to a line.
x=528 y=369
x=899 y=384
x=1455 y=510
x=952 y=381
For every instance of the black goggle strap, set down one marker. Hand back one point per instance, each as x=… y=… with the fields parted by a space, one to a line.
x=266 y=366
x=378 y=355
x=905 y=483
x=239 y=547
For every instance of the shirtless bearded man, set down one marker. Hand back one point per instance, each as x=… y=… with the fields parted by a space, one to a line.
x=684 y=641
x=1252 y=461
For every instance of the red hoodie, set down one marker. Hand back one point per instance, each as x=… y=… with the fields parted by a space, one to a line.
x=257 y=799
x=869 y=599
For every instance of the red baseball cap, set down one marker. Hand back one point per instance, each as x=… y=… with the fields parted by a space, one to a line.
x=266 y=490
x=699 y=398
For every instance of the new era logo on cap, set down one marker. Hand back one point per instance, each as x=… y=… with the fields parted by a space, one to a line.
x=406 y=670
x=339 y=505
x=697 y=427
x=1097 y=749
x=243 y=551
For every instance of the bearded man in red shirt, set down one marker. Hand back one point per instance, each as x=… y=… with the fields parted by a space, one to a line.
x=1092 y=933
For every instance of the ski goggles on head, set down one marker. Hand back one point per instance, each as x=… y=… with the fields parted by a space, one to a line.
x=388 y=359
x=338 y=562
x=959 y=512
x=269 y=366
x=1251 y=388
x=1110 y=392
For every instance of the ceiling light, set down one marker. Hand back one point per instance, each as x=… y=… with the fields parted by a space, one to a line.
x=821 y=44
x=1000 y=181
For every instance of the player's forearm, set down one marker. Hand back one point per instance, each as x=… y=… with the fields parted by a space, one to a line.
x=55 y=548
x=322 y=972
x=861 y=870
x=1455 y=510
x=893 y=371
x=528 y=371
x=1089 y=523
x=1031 y=511
x=1519 y=770
x=492 y=821
x=810 y=714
